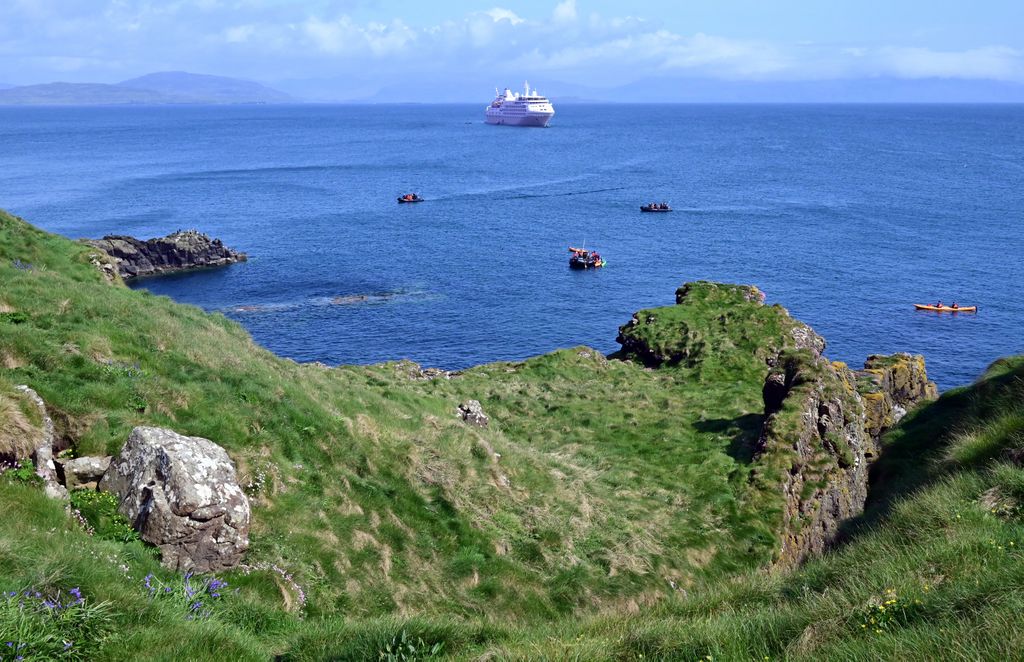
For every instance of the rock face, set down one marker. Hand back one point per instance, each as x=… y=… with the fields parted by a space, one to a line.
x=820 y=435
x=471 y=412
x=84 y=473
x=188 y=249
x=181 y=494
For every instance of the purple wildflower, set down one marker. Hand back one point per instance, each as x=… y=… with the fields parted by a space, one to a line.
x=68 y=644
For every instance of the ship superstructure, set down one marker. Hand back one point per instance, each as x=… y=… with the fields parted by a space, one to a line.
x=514 y=109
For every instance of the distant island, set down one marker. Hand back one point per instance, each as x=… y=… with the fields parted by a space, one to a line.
x=169 y=87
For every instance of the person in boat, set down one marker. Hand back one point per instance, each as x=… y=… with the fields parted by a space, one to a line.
x=939 y=304
x=955 y=305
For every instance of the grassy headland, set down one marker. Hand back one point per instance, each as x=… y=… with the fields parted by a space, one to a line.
x=605 y=513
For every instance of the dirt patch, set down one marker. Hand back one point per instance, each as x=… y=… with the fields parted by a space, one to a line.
x=18 y=436
x=11 y=362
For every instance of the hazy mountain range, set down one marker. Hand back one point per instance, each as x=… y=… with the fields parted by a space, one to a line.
x=171 y=87
x=187 y=88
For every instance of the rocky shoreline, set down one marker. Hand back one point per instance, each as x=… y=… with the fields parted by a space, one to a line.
x=183 y=250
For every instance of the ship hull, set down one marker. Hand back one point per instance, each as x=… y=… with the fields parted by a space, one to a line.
x=530 y=119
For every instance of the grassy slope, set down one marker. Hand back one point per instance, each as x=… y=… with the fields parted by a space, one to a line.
x=612 y=481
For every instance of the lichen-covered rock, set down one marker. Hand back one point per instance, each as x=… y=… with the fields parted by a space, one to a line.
x=181 y=494
x=814 y=445
x=891 y=385
x=471 y=412
x=84 y=473
x=182 y=250
x=820 y=435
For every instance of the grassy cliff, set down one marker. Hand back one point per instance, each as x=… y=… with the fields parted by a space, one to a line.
x=605 y=512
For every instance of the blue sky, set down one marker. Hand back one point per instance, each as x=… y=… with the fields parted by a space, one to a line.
x=338 y=47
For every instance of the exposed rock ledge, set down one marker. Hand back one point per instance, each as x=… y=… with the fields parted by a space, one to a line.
x=821 y=434
x=180 y=251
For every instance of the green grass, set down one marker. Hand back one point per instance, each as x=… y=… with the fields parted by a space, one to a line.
x=605 y=513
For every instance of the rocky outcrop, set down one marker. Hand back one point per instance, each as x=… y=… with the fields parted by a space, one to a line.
x=715 y=321
x=180 y=251
x=820 y=435
x=471 y=412
x=181 y=494
x=84 y=473
x=37 y=442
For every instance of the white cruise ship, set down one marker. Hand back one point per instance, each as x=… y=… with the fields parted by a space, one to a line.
x=513 y=109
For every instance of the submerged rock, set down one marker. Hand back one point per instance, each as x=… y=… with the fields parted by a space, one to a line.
x=180 y=251
x=181 y=494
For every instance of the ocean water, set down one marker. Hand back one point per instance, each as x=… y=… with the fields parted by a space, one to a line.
x=846 y=215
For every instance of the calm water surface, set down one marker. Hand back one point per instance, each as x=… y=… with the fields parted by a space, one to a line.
x=844 y=214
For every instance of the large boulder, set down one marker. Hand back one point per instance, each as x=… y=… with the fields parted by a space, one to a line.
x=181 y=494
x=182 y=250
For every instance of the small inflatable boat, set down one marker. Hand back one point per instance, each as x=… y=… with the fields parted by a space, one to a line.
x=655 y=208
x=584 y=259
x=409 y=197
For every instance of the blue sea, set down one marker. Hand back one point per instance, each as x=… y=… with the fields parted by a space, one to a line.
x=845 y=214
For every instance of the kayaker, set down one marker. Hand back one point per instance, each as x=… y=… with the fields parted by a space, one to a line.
x=939 y=304
x=954 y=306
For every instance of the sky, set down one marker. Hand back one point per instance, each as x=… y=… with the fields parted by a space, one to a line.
x=351 y=48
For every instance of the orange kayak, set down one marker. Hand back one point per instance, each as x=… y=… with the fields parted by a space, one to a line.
x=946 y=309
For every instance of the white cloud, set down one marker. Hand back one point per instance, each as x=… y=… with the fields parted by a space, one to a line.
x=565 y=11
x=239 y=34
x=499 y=14
x=994 y=62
